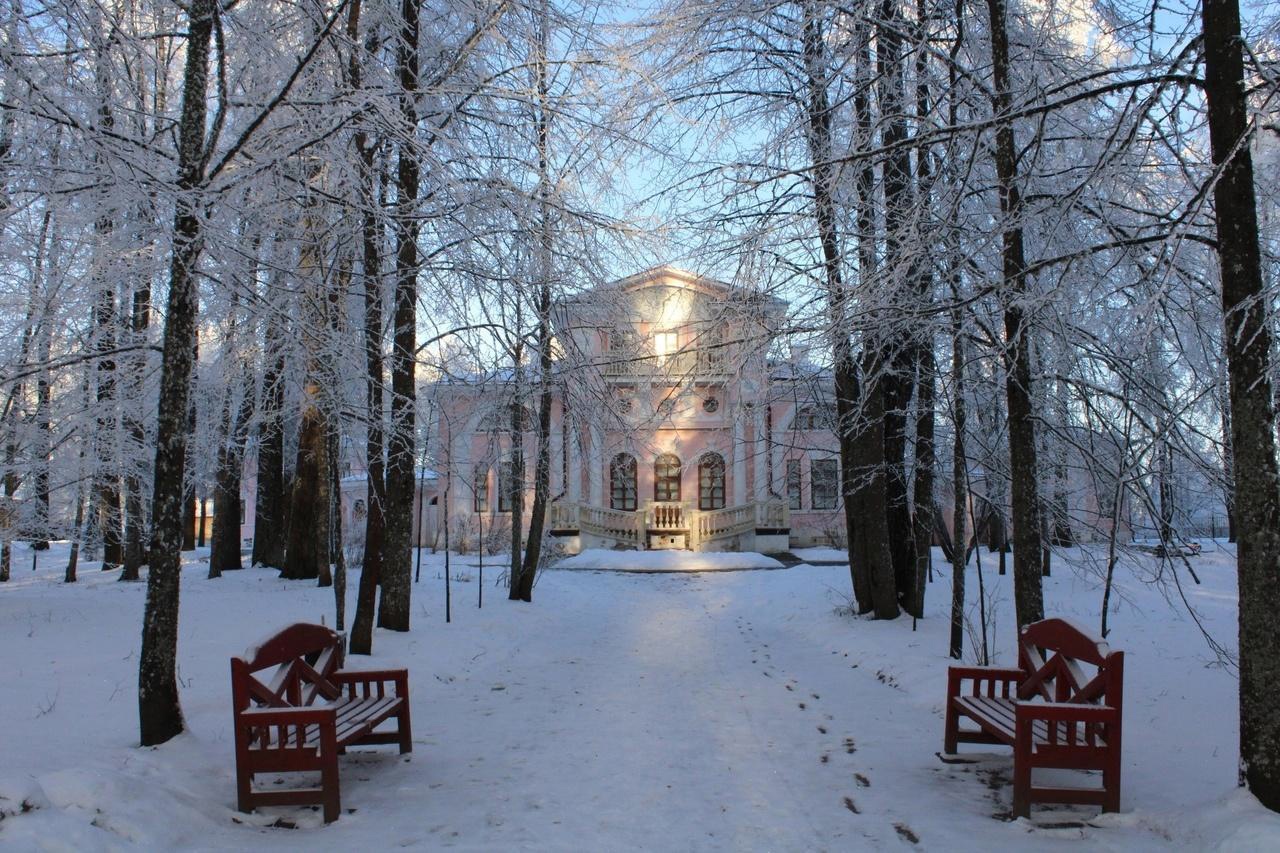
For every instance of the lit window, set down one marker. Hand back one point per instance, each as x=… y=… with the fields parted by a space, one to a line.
x=665 y=344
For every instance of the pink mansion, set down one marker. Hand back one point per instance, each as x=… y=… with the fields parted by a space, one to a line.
x=671 y=427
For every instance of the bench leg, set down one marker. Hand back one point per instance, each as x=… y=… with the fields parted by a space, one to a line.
x=950 y=742
x=405 y=728
x=1022 y=772
x=244 y=791
x=1111 y=783
x=332 y=797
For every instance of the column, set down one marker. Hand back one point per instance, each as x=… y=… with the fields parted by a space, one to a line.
x=739 y=462
x=574 y=488
x=760 y=447
x=595 y=462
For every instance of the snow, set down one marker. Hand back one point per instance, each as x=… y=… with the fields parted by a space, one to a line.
x=822 y=555
x=619 y=711
x=667 y=561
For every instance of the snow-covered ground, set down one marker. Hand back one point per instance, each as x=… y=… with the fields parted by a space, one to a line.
x=667 y=561
x=715 y=711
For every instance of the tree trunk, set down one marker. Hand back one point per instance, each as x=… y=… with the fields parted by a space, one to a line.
x=1248 y=342
x=959 y=485
x=1027 y=567
x=224 y=555
x=159 y=711
x=270 y=526
x=135 y=532
x=393 y=608
x=523 y=587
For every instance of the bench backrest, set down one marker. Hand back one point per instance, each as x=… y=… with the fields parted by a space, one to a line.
x=1064 y=663
x=302 y=658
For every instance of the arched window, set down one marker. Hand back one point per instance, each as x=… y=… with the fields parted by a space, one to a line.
x=622 y=482
x=666 y=478
x=711 y=481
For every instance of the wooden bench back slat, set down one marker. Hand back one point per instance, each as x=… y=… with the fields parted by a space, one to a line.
x=295 y=682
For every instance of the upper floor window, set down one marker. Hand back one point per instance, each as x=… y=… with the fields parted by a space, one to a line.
x=815 y=417
x=505 y=417
x=666 y=478
x=665 y=344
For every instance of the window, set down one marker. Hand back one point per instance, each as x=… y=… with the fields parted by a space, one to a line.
x=666 y=478
x=711 y=351
x=824 y=475
x=500 y=420
x=795 y=497
x=510 y=477
x=358 y=510
x=665 y=344
x=711 y=482
x=815 y=417
x=480 y=479
x=710 y=405
x=622 y=482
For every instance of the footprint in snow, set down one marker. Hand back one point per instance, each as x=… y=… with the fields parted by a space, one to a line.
x=906 y=833
x=863 y=781
x=851 y=805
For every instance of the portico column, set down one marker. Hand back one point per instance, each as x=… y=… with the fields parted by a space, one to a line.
x=739 y=463
x=760 y=447
x=574 y=488
x=596 y=463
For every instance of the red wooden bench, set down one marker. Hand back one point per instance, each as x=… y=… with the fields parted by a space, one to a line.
x=308 y=711
x=1049 y=710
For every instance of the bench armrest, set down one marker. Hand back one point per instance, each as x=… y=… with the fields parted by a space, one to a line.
x=980 y=675
x=253 y=727
x=372 y=681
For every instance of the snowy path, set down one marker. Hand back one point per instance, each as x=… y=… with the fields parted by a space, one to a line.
x=719 y=711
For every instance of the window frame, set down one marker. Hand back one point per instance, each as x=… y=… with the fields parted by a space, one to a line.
x=480 y=488
x=623 y=466
x=818 y=483
x=795 y=484
x=711 y=488
x=666 y=474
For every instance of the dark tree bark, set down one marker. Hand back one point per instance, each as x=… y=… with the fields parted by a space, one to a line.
x=522 y=586
x=269 y=520
x=897 y=375
x=307 y=554
x=224 y=553
x=159 y=710
x=135 y=529
x=1248 y=341
x=1023 y=471
x=867 y=542
x=397 y=567
x=371 y=273
x=106 y=475
x=960 y=487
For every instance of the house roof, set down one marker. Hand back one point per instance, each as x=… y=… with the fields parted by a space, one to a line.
x=667 y=273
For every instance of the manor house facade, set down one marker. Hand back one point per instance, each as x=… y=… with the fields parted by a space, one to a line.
x=671 y=427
